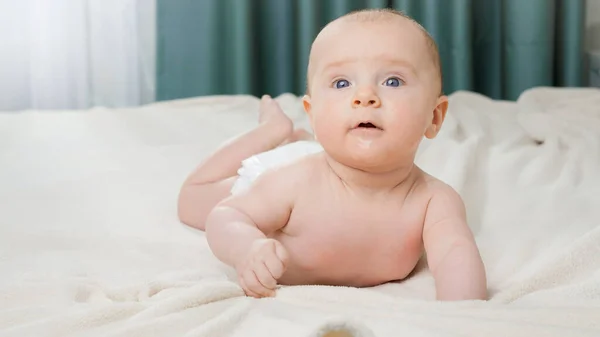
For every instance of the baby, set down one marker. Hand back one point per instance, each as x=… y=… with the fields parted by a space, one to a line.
x=352 y=209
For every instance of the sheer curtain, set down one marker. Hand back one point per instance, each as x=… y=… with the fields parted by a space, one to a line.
x=75 y=54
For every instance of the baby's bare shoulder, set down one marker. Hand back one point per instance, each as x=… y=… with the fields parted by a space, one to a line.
x=440 y=192
x=443 y=201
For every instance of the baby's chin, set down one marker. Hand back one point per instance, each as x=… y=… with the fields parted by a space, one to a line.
x=370 y=159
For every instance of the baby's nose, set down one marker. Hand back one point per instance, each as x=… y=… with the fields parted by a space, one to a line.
x=365 y=100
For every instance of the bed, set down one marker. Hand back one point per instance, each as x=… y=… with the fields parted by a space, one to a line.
x=90 y=244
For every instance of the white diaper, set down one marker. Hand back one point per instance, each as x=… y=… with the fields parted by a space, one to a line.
x=257 y=164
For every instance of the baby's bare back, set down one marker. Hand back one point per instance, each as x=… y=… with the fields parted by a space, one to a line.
x=338 y=236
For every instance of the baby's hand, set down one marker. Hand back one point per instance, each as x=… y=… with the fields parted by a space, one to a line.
x=259 y=271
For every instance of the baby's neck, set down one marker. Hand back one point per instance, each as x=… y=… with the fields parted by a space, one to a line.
x=373 y=182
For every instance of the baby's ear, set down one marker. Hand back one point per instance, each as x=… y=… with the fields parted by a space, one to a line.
x=308 y=109
x=438 y=116
x=307 y=105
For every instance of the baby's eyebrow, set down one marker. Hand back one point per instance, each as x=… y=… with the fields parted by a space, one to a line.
x=386 y=60
x=401 y=63
x=336 y=64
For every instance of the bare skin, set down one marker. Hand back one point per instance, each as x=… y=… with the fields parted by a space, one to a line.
x=360 y=213
x=212 y=180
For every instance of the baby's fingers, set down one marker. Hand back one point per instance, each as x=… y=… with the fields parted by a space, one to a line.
x=275 y=266
x=281 y=253
x=265 y=276
x=247 y=291
x=254 y=285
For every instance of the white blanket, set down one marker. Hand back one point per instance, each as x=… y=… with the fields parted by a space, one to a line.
x=90 y=244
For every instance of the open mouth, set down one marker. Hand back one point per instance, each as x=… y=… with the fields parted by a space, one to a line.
x=367 y=125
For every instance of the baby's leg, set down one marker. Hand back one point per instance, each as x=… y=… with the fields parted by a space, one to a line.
x=211 y=182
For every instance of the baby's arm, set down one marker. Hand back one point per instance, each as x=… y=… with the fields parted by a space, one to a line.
x=452 y=254
x=237 y=230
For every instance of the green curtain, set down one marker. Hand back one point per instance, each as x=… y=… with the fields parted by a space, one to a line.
x=496 y=47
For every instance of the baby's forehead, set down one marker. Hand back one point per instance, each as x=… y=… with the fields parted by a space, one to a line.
x=395 y=29
x=399 y=30
x=390 y=39
x=369 y=20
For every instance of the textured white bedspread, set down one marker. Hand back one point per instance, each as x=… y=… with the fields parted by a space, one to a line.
x=90 y=244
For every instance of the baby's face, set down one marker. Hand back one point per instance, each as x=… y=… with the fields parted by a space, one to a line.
x=373 y=92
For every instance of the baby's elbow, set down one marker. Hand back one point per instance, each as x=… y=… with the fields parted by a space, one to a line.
x=214 y=224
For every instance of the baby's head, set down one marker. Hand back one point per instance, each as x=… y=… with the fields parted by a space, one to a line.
x=382 y=69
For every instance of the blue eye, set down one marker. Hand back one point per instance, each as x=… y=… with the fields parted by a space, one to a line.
x=393 y=82
x=339 y=84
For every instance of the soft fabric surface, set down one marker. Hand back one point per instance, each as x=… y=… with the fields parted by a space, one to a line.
x=90 y=244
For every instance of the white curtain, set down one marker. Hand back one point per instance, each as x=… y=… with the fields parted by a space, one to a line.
x=76 y=54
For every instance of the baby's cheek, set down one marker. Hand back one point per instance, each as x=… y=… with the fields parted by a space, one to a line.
x=323 y=129
x=326 y=119
x=409 y=121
